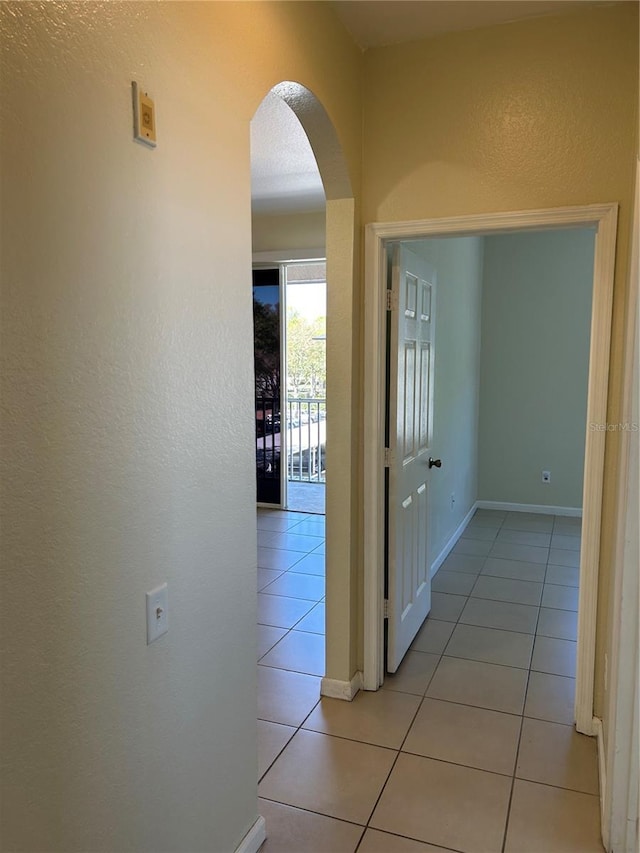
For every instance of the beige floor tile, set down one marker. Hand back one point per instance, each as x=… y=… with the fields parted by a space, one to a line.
x=527 y=553
x=268 y=636
x=550 y=697
x=272 y=739
x=286 y=697
x=466 y=563
x=568 y=543
x=487 y=521
x=456 y=583
x=568 y=527
x=265 y=537
x=560 y=597
x=281 y=612
x=433 y=636
x=475 y=737
x=562 y=624
x=291 y=830
x=292 y=541
x=444 y=804
x=267 y=576
x=500 y=567
x=528 y=521
x=473 y=547
x=382 y=718
x=375 y=841
x=560 y=557
x=557 y=657
x=507 y=648
x=266 y=512
x=265 y=522
x=484 y=685
x=555 y=754
x=562 y=575
x=314 y=621
x=525 y=537
x=496 y=514
x=292 y=585
x=549 y=820
x=414 y=673
x=298 y=651
x=311 y=564
x=335 y=777
x=478 y=531
x=500 y=614
x=310 y=527
x=506 y=589
x=275 y=558
x=446 y=607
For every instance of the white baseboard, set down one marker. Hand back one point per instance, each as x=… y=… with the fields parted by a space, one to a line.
x=602 y=776
x=572 y=511
x=335 y=689
x=442 y=556
x=254 y=838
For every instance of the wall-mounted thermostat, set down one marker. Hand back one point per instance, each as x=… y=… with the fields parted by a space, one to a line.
x=144 y=117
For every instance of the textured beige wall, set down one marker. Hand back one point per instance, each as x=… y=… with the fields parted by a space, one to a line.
x=532 y=114
x=288 y=232
x=126 y=407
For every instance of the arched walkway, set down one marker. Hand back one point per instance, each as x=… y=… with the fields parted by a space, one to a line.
x=342 y=579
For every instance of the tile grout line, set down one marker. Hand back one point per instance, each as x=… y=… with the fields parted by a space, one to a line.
x=421 y=703
x=526 y=692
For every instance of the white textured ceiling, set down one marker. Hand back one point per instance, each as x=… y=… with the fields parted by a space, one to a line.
x=379 y=22
x=284 y=174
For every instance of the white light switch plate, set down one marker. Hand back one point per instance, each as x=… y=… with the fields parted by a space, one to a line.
x=157 y=613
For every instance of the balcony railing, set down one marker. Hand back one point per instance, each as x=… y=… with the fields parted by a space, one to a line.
x=307 y=431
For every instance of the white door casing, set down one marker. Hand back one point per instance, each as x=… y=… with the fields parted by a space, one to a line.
x=603 y=217
x=410 y=439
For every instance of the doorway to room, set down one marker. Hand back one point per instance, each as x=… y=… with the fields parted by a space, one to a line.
x=602 y=220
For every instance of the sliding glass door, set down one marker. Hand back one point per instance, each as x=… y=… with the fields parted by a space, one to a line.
x=267 y=342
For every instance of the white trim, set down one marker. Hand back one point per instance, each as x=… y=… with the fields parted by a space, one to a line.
x=620 y=798
x=285 y=256
x=602 y=777
x=569 y=511
x=335 y=689
x=374 y=406
x=442 y=556
x=254 y=838
x=603 y=217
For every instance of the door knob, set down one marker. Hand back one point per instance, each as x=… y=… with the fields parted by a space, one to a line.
x=435 y=463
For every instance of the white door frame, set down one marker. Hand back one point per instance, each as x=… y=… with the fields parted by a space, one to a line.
x=619 y=765
x=603 y=217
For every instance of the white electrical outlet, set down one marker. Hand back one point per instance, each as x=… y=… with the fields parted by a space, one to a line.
x=546 y=476
x=157 y=613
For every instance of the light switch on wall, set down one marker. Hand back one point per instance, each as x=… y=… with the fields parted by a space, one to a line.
x=157 y=613
x=144 y=117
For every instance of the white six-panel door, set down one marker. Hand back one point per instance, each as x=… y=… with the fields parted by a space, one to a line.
x=410 y=439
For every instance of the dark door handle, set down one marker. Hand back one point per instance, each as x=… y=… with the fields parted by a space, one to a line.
x=435 y=463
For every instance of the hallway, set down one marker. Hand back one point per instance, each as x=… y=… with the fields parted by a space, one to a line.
x=470 y=745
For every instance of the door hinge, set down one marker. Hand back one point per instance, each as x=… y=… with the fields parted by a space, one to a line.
x=392 y=300
x=387 y=457
x=385 y=608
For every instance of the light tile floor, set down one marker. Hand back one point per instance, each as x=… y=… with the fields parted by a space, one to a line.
x=469 y=746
